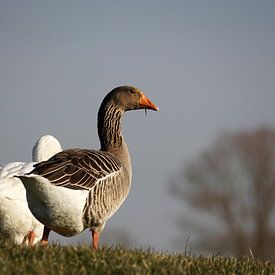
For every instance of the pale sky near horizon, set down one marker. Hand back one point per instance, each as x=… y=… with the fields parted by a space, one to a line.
x=209 y=66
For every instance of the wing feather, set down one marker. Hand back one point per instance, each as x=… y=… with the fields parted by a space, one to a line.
x=78 y=168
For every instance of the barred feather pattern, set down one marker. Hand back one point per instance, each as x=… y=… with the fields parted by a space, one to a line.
x=105 y=198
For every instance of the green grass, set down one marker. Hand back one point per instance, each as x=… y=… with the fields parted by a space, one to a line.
x=57 y=259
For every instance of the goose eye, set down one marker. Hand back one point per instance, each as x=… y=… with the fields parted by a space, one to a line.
x=132 y=92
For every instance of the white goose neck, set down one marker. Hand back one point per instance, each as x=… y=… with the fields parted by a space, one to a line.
x=45 y=148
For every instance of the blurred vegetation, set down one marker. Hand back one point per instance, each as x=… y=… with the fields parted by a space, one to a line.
x=57 y=259
x=228 y=195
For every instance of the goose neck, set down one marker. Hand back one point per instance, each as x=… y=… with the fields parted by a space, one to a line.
x=109 y=128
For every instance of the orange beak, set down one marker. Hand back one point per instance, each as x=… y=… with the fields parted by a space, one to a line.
x=147 y=103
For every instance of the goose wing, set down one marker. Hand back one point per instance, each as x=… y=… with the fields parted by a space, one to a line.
x=78 y=168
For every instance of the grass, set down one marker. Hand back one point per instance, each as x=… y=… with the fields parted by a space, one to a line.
x=57 y=259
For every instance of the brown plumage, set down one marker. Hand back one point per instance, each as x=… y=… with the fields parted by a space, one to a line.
x=78 y=168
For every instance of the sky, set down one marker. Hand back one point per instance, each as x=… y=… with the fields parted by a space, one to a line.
x=209 y=66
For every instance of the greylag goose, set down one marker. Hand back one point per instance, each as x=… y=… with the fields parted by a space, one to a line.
x=17 y=224
x=80 y=188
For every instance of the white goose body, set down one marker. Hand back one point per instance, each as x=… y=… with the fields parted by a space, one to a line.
x=81 y=188
x=16 y=220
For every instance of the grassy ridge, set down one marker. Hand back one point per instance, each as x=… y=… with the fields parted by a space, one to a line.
x=83 y=260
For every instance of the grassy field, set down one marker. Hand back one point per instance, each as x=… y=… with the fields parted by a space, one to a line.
x=57 y=259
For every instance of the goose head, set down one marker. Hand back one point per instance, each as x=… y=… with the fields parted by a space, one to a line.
x=128 y=98
x=45 y=148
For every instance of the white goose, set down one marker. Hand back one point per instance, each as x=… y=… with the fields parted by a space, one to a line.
x=17 y=223
x=81 y=188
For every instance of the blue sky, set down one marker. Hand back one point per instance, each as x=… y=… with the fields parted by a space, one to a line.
x=208 y=65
